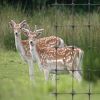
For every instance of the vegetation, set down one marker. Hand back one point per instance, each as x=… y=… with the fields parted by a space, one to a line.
x=79 y=36
x=15 y=83
x=14 y=79
x=30 y=4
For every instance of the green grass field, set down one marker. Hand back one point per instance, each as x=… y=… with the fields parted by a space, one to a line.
x=14 y=77
x=15 y=83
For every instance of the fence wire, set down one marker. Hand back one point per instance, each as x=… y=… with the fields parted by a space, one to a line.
x=73 y=92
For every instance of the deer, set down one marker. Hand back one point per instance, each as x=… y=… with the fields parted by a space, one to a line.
x=55 y=60
x=50 y=41
x=23 y=47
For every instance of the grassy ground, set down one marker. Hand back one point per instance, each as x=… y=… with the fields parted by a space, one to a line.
x=14 y=78
x=81 y=36
x=15 y=83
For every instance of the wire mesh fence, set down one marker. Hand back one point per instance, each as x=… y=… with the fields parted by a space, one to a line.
x=77 y=25
x=73 y=92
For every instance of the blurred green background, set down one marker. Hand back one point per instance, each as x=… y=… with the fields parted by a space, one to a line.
x=14 y=79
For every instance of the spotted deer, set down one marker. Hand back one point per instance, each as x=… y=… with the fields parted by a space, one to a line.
x=22 y=46
x=51 y=41
x=55 y=59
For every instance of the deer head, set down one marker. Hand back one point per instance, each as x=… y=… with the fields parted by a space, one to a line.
x=17 y=27
x=32 y=36
x=35 y=33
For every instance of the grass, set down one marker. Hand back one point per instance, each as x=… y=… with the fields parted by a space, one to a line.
x=80 y=36
x=15 y=83
x=14 y=78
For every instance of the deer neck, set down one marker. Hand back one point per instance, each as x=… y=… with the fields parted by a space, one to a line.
x=18 y=44
x=20 y=48
x=36 y=54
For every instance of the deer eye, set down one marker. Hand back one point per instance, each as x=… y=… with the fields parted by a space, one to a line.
x=16 y=33
x=31 y=43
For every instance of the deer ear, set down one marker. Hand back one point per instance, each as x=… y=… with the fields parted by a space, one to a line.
x=39 y=32
x=12 y=23
x=23 y=24
x=26 y=32
x=24 y=21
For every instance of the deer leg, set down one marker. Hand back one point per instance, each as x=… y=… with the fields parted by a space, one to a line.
x=53 y=77
x=73 y=70
x=77 y=73
x=46 y=74
x=31 y=69
x=80 y=62
x=40 y=66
